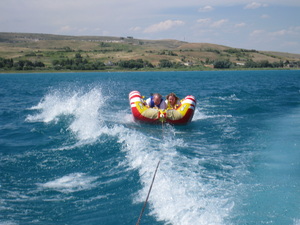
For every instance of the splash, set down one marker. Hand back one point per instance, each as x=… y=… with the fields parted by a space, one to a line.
x=181 y=194
x=82 y=108
x=229 y=98
x=71 y=183
x=198 y=115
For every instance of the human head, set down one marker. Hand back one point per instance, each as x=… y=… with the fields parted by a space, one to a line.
x=157 y=98
x=172 y=98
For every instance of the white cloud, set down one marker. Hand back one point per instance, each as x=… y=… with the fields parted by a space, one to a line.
x=240 y=25
x=280 y=33
x=265 y=16
x=292 y=31
x=290 y=44
x=135 y=29
x=206 y=9
x=207 y=22
x=257 y=32
x=219 y=23
x=255 y=5
x=162 y=26
x=204 y=21
x=288 y=33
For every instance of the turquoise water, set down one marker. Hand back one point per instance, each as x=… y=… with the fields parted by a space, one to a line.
x=70 y=152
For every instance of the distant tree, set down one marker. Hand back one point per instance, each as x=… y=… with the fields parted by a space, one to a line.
x=164 y=63
x=78 y=59
x=232 y=50
x=78 y=56
x=27 y=65
x=6 y=63
x=207 y=60
x=148 y=64
x=38 y=64
x=264 y=64
x=104 y=44
x=277 y=64
x=98 y=65
x=250 y=64
x=68 y=49
x=222 y=64
x=131 y=64
x=30 y=54
x=212 y=50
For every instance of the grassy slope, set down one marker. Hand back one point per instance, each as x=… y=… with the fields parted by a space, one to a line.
x=48 y=47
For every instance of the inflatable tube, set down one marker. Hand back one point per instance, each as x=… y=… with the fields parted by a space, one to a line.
x=180 y=116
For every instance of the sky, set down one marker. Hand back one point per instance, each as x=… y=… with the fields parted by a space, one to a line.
x=266 y=25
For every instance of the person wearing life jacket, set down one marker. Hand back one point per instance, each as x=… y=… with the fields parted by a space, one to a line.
x=172 y=101
x=157 y=101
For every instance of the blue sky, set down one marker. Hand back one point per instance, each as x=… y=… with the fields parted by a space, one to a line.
x=271 y=25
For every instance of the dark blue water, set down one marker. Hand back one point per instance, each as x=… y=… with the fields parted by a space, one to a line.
x=71 y=154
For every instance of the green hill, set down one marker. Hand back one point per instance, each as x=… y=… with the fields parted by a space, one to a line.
x=117 y=53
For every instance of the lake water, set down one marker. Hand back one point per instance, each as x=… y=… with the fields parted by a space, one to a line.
x=70 y=152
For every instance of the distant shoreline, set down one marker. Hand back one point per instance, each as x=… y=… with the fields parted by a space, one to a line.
x=29 y=52
x=127 y=71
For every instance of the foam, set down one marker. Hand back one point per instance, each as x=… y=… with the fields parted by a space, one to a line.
x=198 y=115
x=231 y=97
x=8 y=223
x=296 y=222
x=183 y=192
x=71 y=183
x=180 y=195
x=84 y=109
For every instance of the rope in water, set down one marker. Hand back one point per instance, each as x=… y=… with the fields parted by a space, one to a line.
x=145 y=203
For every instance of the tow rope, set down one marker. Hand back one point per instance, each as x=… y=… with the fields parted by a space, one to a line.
x=145 y=203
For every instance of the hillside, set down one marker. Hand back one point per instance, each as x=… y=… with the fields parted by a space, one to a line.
x=109 y=51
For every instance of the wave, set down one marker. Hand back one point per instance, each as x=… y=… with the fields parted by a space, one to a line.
x=180 y=194
x=229 y=98
x=83 y=109
x=71 y=183
x=184 y=192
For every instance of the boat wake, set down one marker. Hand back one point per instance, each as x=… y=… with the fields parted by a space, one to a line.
x=82 y=110
x=185 y=191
